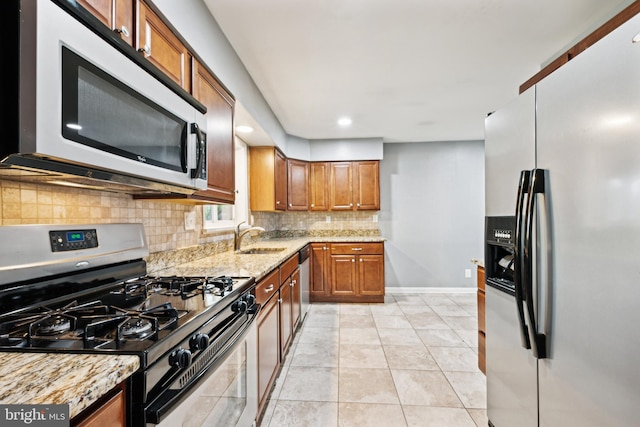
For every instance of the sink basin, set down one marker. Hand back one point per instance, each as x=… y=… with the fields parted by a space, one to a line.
x=259 y=251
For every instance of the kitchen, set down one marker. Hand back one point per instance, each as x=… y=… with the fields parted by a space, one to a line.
x=164 y=222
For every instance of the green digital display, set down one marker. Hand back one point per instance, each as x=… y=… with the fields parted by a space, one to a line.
x=75 y=236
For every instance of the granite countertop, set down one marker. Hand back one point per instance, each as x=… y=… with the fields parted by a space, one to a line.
x=56 y=378
x=81 y=379
x=231 y=263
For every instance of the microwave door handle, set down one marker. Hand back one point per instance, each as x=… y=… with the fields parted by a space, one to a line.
x=536 y=186
x=517 y=258
x=200 y=151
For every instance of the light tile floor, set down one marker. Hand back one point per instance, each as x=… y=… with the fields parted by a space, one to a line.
x=411 y=361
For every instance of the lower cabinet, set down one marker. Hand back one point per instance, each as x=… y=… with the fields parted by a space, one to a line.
x=279 y=295
x=482 y=331
x=319 y=272
x=109 y=411
x=268 y=335
x=349 y=272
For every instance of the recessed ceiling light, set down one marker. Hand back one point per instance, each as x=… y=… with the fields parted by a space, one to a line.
x=74 y=126
x=344 y=121
x=636 y=38
x=244 y=129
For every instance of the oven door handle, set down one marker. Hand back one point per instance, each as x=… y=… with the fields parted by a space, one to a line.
x=157 y=410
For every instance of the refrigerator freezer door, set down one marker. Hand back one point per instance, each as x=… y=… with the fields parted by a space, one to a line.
x=589 y=141
x=511 y=369
x=509 y=148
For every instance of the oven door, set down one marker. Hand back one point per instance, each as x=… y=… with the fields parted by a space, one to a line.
x=88 y=112
x=224 y=395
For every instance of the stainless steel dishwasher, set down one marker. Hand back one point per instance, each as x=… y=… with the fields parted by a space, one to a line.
x=303 y=261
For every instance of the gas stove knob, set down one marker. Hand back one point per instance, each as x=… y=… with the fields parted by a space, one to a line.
x=250 y=299
x=199 y=342
x=180 y=358
x=239 y=306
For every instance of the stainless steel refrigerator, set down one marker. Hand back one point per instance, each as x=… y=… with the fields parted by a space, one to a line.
x=564 y=159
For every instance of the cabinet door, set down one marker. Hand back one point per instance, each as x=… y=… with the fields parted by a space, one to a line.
x=343 y=275
x=340 y=186
x=220 y=136
x=366 y=178
x=319 y=270
x=162 y=48
x=115 y=14
x=295 y=299
x=318 y=186
x=286 y=330
x=280 y=181
x=298 y=185
x=370 y=274
x=111 y=413
x=268 y=347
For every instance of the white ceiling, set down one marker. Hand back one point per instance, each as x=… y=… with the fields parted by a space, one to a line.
x=403 y=70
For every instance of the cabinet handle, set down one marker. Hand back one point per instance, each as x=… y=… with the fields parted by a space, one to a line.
x=280 y=300
x=360 y=259
x=358 y=204
x=350 y=205
x=269 y=289
x=277 y=202
x=122 y=30
x=353 y=260
x=146 y=50
x=324 y=249
x=356 y=249
x=313 y=205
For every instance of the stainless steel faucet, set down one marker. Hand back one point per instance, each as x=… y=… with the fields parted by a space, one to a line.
x=238 y=235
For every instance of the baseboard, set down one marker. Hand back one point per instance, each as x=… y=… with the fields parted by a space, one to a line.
x=425 y=290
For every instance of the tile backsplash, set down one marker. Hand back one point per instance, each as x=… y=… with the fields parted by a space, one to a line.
x=164 y=222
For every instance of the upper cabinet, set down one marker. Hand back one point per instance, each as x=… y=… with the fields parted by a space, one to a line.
x=267 y=179
x=297 y=185
x=318 y=188
x=115 y=14
x=162 y=47
x=220 y=138
x=354 y=185
x=146 y=31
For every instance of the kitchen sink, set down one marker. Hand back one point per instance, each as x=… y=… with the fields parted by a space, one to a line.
x=260 y=251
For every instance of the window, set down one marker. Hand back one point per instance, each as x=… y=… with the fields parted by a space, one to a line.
x=218 y=217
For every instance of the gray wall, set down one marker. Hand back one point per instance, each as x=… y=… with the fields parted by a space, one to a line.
x=432 y=212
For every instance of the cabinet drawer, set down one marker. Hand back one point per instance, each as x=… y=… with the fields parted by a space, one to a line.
x=288 y=267
x=357 y=248
x=268 y=286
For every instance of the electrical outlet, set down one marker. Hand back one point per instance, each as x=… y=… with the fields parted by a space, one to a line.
x=467 y=273
x=375 y=218
x=190 y=221
x=328 y=218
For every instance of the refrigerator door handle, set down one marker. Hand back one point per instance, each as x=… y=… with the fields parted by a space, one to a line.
x=517 y=258
x=536 y=186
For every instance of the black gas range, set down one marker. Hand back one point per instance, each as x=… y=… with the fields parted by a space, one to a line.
x=85 y=289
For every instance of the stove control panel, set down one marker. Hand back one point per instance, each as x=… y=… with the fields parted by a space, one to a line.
x=73 y=240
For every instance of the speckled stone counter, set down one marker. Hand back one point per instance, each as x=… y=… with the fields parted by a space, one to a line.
x=76 y=379
x=236 y=264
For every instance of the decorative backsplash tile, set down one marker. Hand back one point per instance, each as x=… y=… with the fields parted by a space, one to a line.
x=27 y=203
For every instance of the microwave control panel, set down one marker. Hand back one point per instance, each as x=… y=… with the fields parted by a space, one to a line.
x=72 y=240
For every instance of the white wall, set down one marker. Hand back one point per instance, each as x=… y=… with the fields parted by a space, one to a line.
x=432 y=212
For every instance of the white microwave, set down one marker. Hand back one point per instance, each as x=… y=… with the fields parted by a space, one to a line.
x=82 y=103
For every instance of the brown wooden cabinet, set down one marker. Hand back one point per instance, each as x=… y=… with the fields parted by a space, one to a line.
x=267 y=179
x=366 y=183
x=347 y=272
x=118 y=15
x=318 y=186
x=297 y=185
x=268 y=334
x=482 y=330
x=288 y=272
x=319 y=272
x=157 y=42
x=296 y=296
x=354 y=185
x=220 y=136
x=109 y=411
